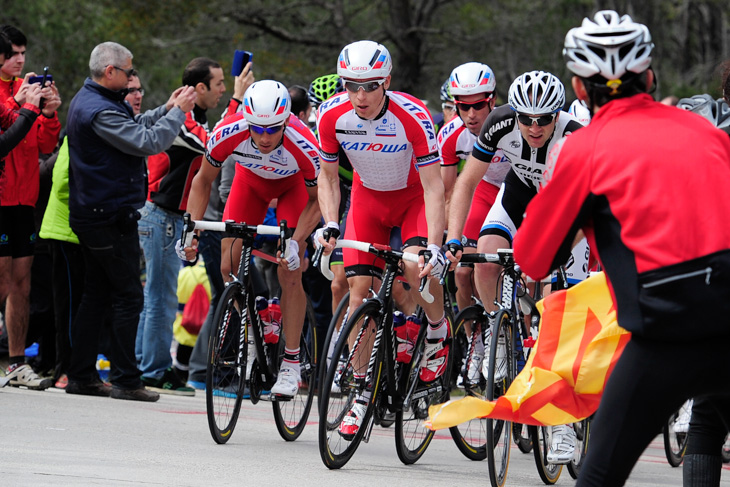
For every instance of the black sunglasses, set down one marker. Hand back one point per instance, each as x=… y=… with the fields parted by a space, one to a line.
x=476 y=105
x=368 y=86
x=128 y=72
x=269 y=130
x=541 y=121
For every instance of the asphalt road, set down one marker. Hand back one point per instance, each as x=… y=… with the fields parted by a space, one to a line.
x=51 y=438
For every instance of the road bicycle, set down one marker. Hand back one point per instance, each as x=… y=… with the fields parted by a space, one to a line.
x=394 y=387
x=235 y=317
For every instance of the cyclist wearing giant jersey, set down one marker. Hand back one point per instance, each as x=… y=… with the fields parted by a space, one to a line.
x=472 y=86
x=659 y=226
x=276 y=157
x=391 y=142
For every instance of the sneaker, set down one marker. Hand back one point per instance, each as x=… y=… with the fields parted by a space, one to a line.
x=62 y=382
x=169 y=383
x=562 y=444
x=89 y=389
x=23 y=375
x=196 y=384
x=435 y=358
x=287 y=383
x=681 y=425
x=140 y=394
x=351 y=423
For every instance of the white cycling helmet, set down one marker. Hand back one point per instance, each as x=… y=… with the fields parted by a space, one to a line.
x=716 y=111
x=536 y=93
x=266 y=102
x=580 y=111
x=471 y=79
x=609 y=46
x=364 y=60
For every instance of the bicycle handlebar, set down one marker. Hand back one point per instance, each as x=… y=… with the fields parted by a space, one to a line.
x=190 y=225
x=324 y=261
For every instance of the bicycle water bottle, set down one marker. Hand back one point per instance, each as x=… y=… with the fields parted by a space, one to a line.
x=273 y=328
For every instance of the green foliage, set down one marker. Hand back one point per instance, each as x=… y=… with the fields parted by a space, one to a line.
x=296 y=41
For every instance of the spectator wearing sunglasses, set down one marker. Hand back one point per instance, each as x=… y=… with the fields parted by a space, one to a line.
x=472 y=86
x=276 y=158
x=107 y=183
x=390 y=140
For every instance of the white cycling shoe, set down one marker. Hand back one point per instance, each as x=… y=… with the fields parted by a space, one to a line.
x=562 y=444
x=287 y=383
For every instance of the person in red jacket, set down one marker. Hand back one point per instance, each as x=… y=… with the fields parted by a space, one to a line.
x=19 y=187
x=647 y=183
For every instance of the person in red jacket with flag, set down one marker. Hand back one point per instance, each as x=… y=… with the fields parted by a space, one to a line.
x=647 y=183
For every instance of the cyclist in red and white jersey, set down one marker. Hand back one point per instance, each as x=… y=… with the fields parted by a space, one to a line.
x=472 y=86
x=276 y=157
x=390 y=140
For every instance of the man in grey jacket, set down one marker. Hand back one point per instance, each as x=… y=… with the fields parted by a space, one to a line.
x=107 y=183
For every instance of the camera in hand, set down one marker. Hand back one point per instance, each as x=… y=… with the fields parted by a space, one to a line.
x=240 y=60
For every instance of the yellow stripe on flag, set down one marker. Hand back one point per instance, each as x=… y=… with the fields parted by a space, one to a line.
x=566 y=373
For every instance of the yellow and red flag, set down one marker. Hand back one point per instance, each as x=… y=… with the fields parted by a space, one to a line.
x=563 y=380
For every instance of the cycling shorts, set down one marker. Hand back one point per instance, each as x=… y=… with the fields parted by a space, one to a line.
x=17 y=231
x=508 y=210
x=371 y=217
x=251 y=194
x=484 y=197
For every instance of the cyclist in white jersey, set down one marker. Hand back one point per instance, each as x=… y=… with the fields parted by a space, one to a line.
x=390 y=140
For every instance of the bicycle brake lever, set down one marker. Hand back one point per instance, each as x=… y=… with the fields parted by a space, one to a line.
x=187 y=231
x=283 y=235
x=317 y=255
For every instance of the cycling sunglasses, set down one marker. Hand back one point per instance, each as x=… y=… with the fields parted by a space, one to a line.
x=541 y=121
x=476 y=105
x=367 y=86
x=269 y=130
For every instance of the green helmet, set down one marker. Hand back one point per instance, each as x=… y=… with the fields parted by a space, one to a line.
x=324 y=87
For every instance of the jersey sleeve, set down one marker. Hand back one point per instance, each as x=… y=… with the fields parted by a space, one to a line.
x=499 y=123
x=329 y=111
x=225 y=138
x=419 y=127
x=447 y=138
x=302 y=143
x=556 y=213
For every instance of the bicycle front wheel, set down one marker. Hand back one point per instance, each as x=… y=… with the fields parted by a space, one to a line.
x=341 y=387
x=470 y=437
x=549 y=472
x=501 y=373
x=291 y=416
x=411 y=436
x=225 y=374
x=582 y=433
x=675 y=444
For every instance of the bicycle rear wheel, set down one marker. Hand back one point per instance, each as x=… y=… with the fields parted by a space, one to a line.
x=291 y=416
x=411 y=436
x=675 y=444
x=501 y=374
x=340 y=386
x=522 y=437
x=332 y=333
x=225 y=374
x=549 y=472
x=582 y=433
x=470 y=437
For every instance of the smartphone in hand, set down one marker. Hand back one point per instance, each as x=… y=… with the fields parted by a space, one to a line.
x=240 y=59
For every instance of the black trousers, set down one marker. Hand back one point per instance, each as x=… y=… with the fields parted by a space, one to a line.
x=651 y=380
x=112 y=281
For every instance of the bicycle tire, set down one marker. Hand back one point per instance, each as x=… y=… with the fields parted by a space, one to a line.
x=470 y=437
x=499 y=432
x=412 y=438
x=583 y=433
x=549 y=472
x=675 y=444
x=322 y=368
x=336 y=450
x=291 y=416
x=521 y=437
x=225 y=372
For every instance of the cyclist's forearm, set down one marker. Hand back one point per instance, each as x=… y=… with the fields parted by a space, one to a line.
x=198 y=198
x=328 y=183
x=307 y=221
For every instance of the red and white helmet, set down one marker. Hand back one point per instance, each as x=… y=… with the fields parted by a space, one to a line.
x=266 y=102
x=364 y=60
x=471 y=79
x=609 y=46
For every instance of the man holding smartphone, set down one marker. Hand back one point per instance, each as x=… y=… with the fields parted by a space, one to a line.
x=19 y=186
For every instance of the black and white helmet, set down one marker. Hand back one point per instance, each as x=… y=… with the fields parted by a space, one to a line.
x=716 y=111
x=609 y=46
x=536 y=93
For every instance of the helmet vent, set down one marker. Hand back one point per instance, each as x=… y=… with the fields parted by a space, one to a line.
x=374 y=58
